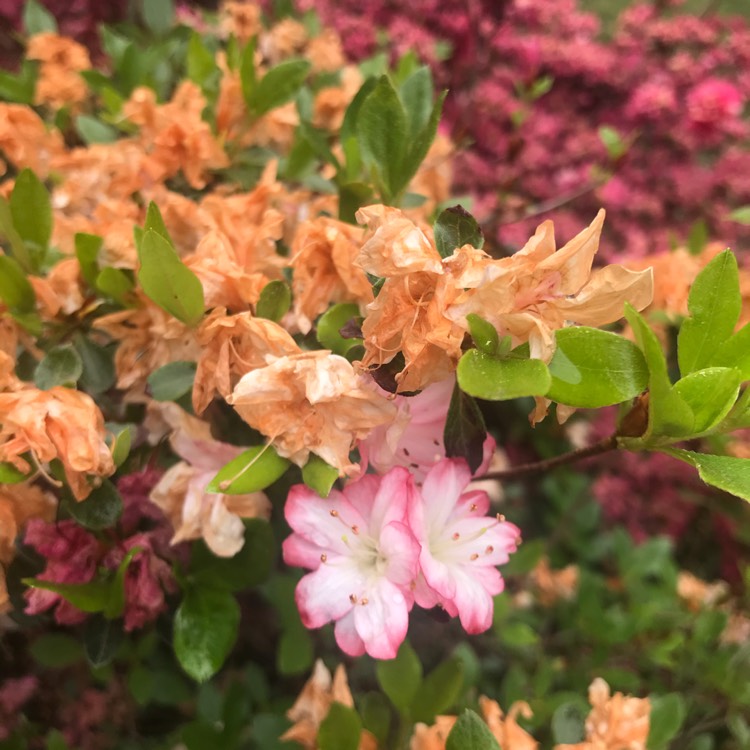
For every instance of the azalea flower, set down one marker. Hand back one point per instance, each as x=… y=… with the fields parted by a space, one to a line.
x=62 y=60
x=460 y=546
x=363 y=557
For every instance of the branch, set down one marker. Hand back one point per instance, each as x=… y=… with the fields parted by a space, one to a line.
x=538 y=467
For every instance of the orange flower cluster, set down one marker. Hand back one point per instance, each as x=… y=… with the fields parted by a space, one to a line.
x=61 y=62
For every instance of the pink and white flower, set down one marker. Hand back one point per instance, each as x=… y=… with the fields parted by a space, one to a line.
x=460 y=546
x=363 y=558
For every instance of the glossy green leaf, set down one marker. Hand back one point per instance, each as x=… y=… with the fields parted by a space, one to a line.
x=8 y=230
x=114 y=283
x=87 y=252
x=496 y=379
x=15 y=290
x=416 y=94
x=352 y=196
x=100 y=510
x=201 y=64
x=382 y=132
x=98 y=373
x=714 y=303
x=454 y=228
x=205 y=629
x=31 y=209
x=470 y=733
x=172 y=381
x=167 y=281
x=483 y=333
x=735 y=352
x=439 y=690
x=251 y=471
x=275 y=301
x=340 y=730
x=728 y=473
x=9 y=474
x=247 y=69
x=88 y=597
x=60 y=366
x=668 y=713
x=401 y=677
x=330 y=324
x=319 y=475
x=155 y=221
x=420 y=145
x=279 y=86
x=296 y=652
x=37 y=19
x=116 y=603
x=19 y=88
x=593 y=368
x=119 y=441
x=669 y=415
x=93 y=130
x=710 y=394
x=251 y=566
x=465 y=431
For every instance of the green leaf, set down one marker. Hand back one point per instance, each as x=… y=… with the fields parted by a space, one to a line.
x=158 y=15
x=88 y=597
x=439 y=690
x=172 y=381
x=735 y=352
x=119 y=440
x=8 y=230
x=319 y=475
x=741 y=215
x=87 y=252
x=710 y=394
x=98 y=373
x=382 y=132
x=593 y=368
x=454 y=228
x=465 y=432
x=37 y=19
x=714 y=304
x=56 y=650
x=725 y=472
x=101 y=640
x=470 y=733
x=167 y=281
x=20 y=88
x=376 y=715
x=114 y=283
x=251 y=566
x=205 y=629
x=668 y=414
x=340 y=730
x=697 y=237
x=279 y=86
x=155 y=221
x=296 y=652
x=9 y=474
x=201 y=65
x=60 y=366
x=15 y=290
x=416 y=95
x=401 y=677
x=668 y=712
x=331 y=322
x=251 y=471
x=31 y=209
x=275 y=301
x=568 y=722
x=247 y=69
x=352 y=196
x=116 y=603
x=496 y=379
x=612 y=142
x=93 y=130
x=100 y=510
x=484 y=334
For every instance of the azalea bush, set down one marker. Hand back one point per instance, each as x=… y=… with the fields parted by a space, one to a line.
x=266 y=410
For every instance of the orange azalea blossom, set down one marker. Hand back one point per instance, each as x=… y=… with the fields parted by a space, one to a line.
x=285 y=39
x=331 y=102
x=231 y=346
x=58 y=423
x=314 y=703
x=181 y=492
x=325 y=53
x=505 y=730
x=311 y=402
x=240 y=19
x=538 y=290
x=25 y=140
x=616 y=722
x=149 y=338
x=60 y=291
x=62 y=59
x=323 y=254
x=698 y=594
x=553 y=585
x=18 y=504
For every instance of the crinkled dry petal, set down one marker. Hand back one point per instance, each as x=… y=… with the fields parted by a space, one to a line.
x=19 y=503
x=26 y=141
x=433 y=737
x=506 y=731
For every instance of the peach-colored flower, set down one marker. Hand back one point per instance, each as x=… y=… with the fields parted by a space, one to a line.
x=149 y=339
x=554 y=585
x=62 y=59
x=58 y=423
x=331 y=102
x=25 y=139
x=181 y=492
x=231 y=346
x=311 y=402
x=323 y=256
x=242 y=19
x=538 y=290
x=60 y=291
x=285 y=39
x=314 y=703
x=698 y=594
x=737 y=630
x=325 y=53
x=18 y=504
x=616 y=722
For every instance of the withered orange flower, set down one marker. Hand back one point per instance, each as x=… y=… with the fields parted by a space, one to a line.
x=323 y=255
x=58 y=423
x=698 y=594
x=311 y=402
x=26 y=141
x=325 y=53
x=287 y=38
x=231 y=346
x=60 y=291
x=241 y=19
x=616 y=722
x=62 y=60
x=314 y=703
x=554 y=585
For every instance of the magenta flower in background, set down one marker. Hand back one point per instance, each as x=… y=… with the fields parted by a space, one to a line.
x=461 y=546
x=363 y=559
